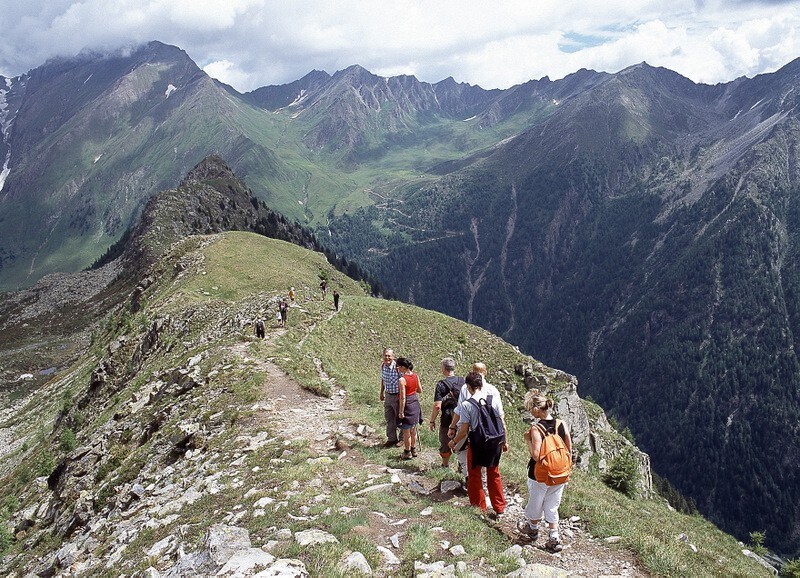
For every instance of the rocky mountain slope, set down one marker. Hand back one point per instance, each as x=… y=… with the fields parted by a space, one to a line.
x=178 y=444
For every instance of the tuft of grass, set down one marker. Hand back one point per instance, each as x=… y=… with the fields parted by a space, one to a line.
x=420 y=544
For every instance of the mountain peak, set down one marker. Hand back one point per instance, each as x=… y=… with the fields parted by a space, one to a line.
x=211 y=167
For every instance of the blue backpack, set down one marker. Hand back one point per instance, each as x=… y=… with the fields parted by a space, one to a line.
x=486 y=438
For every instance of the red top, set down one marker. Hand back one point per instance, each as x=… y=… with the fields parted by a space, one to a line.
x=412 y=383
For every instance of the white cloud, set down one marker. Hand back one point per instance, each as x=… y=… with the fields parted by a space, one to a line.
x=227 y=72
x=251 y=43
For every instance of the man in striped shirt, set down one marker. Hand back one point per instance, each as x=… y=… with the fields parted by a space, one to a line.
x=390 y=388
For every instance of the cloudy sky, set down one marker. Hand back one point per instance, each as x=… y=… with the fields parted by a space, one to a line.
x=252 y=43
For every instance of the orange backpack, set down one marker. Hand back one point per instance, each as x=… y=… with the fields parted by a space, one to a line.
x=555 y=462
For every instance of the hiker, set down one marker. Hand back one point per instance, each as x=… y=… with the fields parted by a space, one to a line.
x=474 y=413
x=409 y=411
x=390 y=389
x=260 y=330
x=283 y=309
x=291 y=295
x=445 y=399
x=336 y=300
x=488 y=389
x=544 y=493
x=324 y=288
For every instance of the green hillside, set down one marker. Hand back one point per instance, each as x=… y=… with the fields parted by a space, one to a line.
x=140 y=442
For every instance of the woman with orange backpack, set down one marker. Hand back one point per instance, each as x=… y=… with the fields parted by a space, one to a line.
x=550 y=448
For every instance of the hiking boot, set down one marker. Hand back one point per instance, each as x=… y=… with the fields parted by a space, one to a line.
x=527 y=533
x=390 y=444
x=406 y=455
x=553 y=544
x=413 y=451
x=494 y=515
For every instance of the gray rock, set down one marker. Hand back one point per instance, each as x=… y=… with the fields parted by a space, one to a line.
x=244 y=562
x=449 y=486
x=538 y=571
x=159 y=548
x=417 y=488
x=761 y=561
x=375 y=488
x=395 y=540
x=137 y=491
x=222 y=542
x=314 y=536
x=514 y=551
x=388 y=556
x=196 y=564
x=458 y=550
x=358 y=562
x=284 y=568
x=67 y=555
x=434 y=570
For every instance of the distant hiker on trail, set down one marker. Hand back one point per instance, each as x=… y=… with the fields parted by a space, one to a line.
x=488 y=389
x=260 y=330
x=390 y=389
x=480 y=420
x=445 y=399
x=409 y=411
x=550 y=449
x=283 y=309
x=323 y=286
x=291 y=294
x=336 y=300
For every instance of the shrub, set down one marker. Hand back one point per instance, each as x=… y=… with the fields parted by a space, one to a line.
x=5 y=539
x=9 y=505
x=757 y=543
x=628 y=435
x=623 y=473
x=791 y=569
x=68 y=440
x=44 y=464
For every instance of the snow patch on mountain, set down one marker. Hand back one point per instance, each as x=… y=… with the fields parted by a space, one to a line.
x=300 y=98
x=170 y=89
x=5 y=129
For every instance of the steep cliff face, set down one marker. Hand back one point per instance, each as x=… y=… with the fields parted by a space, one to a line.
x=596 y=441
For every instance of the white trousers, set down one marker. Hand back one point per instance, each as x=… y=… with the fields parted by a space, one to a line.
x=543 y=500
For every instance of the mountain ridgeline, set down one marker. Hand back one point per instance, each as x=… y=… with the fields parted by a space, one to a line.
x=636 y=229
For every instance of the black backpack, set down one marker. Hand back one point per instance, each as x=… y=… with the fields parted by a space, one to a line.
x=449 y=401
x=486 y=438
